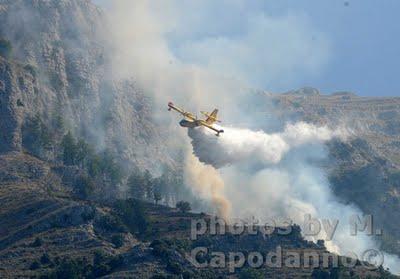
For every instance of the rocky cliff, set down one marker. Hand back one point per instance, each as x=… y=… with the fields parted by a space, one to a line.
x=59 y=68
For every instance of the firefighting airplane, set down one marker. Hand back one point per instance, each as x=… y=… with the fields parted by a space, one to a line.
x=191 y=121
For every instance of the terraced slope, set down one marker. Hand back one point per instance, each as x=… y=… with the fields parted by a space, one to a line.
x=47 y=231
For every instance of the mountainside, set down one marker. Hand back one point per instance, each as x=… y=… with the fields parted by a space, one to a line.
x=60 y=70
x=47 y=231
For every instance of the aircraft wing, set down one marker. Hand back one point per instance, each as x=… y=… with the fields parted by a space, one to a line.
x=181 y=111
x=211 y=117
x=203 y=123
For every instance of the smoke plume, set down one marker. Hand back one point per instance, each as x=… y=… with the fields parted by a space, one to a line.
x=278 y=176
x=174 y=56
x=238 y=145
x=207 y=182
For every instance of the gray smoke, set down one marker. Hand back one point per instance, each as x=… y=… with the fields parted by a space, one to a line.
x=243 y=172
x=243 y=145
x=278 y=176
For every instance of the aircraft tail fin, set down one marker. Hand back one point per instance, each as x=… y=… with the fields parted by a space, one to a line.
x=212 y=117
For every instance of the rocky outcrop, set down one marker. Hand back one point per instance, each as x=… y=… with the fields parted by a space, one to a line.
x=18 y=94
x=10 y=114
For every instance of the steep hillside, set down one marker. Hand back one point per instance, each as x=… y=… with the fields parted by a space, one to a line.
x=59 y=69
x=47 y=230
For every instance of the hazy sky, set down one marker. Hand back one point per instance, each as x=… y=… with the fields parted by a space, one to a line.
x=279 y=45
x=365 y=40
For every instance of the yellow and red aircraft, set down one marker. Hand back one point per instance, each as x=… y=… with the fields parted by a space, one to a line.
x=191 y=121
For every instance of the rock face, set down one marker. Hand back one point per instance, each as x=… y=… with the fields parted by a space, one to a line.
x=60 y=68
x=11 y=115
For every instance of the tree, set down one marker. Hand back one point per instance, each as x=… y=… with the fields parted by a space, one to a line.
x=148 y=184
x=83 y=153
x=157 y=196
x=36 y=136
x=57 y=120
x=69 y=269
x=136 y=184
x=183 y=206
x=94 y=166
x=85 y=186
x=159 y=188
x=5 y=48
x=69 y=149
x=110 y=167
x=142 y=222
x=164 y=183
x=133 y=214
x=171 y=184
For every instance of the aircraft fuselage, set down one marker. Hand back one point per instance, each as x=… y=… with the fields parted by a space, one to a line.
x=189 y=124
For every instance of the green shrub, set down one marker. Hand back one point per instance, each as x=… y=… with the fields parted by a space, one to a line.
x=174 y=267
x=88 y=215
x=133 y=215
x=110 y=224
x=183 y=206
x=55 y=81
x=85 y=186
x=116 y=262
x=5 y=48
x=110 y=167
x=100 y=269
x=31 y=69
x=45 y=259
x=117 y=240
x=384 y=273
x=70 y=149
x=35 y=265
x=320 y=274
x=38 y=242
x=251 y=273
x=160 y=249
x=37 y=137
x=103 y=264
x=70 y=269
